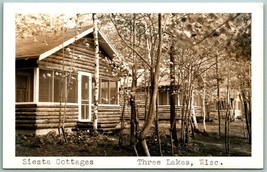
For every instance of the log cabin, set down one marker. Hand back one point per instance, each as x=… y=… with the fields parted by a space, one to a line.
x=163 y=99
x=211 y=104
x=55 y=83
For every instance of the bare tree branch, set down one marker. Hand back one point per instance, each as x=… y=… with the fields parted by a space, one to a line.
x=129 y=46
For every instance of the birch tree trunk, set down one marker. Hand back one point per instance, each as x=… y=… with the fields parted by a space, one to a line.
x=203 y=105
x=124 y=89
x=193 y=111
x=172 y=98
x=96 y=91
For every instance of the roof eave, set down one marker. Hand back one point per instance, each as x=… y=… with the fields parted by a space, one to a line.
x=71 y=40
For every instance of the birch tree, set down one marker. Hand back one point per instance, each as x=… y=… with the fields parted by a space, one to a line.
x=96 y=91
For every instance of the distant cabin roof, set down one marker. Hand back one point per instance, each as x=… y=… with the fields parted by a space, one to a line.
x=51 y=43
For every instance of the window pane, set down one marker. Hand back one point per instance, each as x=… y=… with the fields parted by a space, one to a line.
x=113 y=92
x=73 y=89
x=85 y=86
x=163 y=98
x=104 y=99
x=85 y=111
x=59 y=88
x=24 y=85
x=45 y=86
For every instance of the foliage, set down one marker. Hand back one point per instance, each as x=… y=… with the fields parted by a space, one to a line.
x=30 y=25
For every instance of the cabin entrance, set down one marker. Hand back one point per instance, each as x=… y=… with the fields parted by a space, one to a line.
x=85 y=96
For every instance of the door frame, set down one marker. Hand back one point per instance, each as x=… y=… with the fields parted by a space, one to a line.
x=80 y=74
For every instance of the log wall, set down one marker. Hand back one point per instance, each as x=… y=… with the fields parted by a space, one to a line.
x=42 y=118
x=36 y=118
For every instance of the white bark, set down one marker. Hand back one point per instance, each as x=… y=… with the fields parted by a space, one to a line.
x=203 y=105
x=193 y=110
x=96 y=95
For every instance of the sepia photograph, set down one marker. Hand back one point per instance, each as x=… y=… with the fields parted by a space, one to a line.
x=162 y=89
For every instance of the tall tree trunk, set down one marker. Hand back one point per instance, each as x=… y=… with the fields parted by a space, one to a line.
x=96 y=91
x=154 y=84
x=218 y=95
x=133 y=91
x=124 y=89
x=227 y=115
x=193 y=111
x=147 y=93
x=133 y=115
x=247 y=114
x=204 y=105
x=188 y=106
x=157 y=128
x=183 y=118
x=172 y=98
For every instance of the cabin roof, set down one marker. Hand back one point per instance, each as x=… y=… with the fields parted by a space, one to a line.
x=51 y=43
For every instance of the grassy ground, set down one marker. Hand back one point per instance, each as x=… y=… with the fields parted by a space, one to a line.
x=83 y=144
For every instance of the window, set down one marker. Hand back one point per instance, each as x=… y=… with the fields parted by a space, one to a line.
x=113 y=89
x=108 y=91
x=73 y=89
x=197 y=100
x=104 y=93
x=24 y=85
x=163 y=98
x=53 y=87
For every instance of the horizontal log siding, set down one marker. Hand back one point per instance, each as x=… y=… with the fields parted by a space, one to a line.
x=109 y=114
x=163 y=112
x=41 y=116
x=80 y=58
x=108 y=118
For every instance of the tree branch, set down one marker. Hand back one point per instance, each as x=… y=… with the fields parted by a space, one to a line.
x=205 y=37
x=129 y=46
